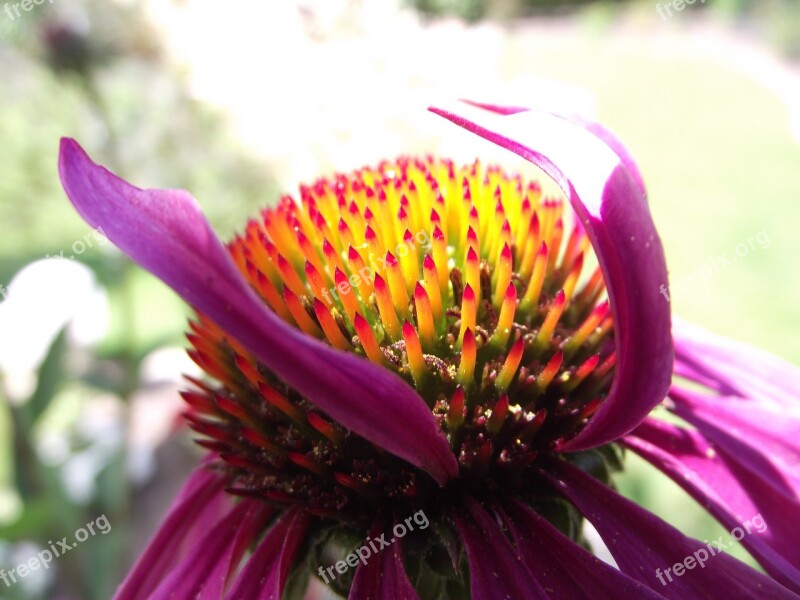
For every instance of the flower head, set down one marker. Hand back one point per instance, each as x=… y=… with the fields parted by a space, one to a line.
x=431 y=343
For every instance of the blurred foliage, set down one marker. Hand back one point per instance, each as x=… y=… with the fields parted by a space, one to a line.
x=47 y=510
x=475 y=10
x=778 y=21
x=471 y=10
x=94 y=70
x=170 y=139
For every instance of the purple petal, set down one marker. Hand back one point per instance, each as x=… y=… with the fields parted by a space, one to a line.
x=561 y=566
x=204 y=572
x=165 y=232
x=201 y=502
x=761 y=437
x=495 y=569
x=383 y=577
x=250 y=524
x=265 y=574
x=500 y=109
x=644 y=546
x=610 y=138
x=614 y=212
x=728 y=491
x=733 y=368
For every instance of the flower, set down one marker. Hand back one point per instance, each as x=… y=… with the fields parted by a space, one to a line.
x=416 y=348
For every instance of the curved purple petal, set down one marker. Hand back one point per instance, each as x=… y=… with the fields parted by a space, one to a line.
x=614 y=212
x=609 y=137
x=645 y=547
x=165 y=232
x=733 y=368
x=202 y=502
x=561 y=566
x=383 y=577
x=266 y=572
x=204 y=572
x=763 y=438
x=500 y=109
x=495 y=568
x=729 y=492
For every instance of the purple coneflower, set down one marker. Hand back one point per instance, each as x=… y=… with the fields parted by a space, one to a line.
x=422 y=375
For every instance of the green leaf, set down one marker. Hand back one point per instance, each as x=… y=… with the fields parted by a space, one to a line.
x=297 y=584
x=561 y=514
x=50 y=375
x=599 y=462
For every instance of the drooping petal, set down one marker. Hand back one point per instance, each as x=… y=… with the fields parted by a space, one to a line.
x=204 y=572
x=496 y=571
x=733 y=368
x=562 y=567
x=165 y=232
x=647 y=548
x=252 y=522
x=601 y=131
x=760 y=436
x=614 y=212
x=201 y=503
x=383 y=577
x=734 y=495
x=266 y=572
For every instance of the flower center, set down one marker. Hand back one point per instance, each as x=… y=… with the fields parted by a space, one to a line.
x=465 y=281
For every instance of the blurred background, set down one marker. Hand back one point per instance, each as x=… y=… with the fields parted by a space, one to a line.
x=239 y=102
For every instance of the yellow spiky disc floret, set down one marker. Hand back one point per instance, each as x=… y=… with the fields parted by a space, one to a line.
x=466 y=281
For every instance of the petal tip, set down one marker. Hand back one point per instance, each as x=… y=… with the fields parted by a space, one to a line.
x=72 y=158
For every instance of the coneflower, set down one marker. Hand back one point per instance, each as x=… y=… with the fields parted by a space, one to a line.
x=422 y=375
